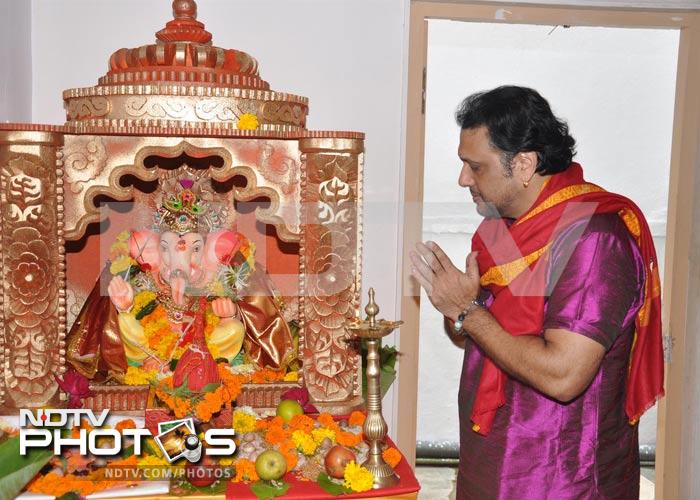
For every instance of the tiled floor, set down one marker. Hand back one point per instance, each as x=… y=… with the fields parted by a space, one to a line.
x=438 y=483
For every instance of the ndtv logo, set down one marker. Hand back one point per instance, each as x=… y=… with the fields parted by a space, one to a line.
x=48 y=427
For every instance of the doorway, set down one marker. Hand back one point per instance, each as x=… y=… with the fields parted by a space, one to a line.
x=545 y=25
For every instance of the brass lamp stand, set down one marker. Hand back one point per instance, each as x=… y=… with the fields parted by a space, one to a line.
x=375 y=428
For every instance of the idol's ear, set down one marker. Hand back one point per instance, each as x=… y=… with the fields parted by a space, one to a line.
x=221 y=246
x=143 y=247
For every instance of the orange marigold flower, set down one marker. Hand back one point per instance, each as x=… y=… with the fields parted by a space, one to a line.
x=392 y=456
x=327 y=420
x=276 y=435
x=287 y=444
x=276 y=422
x=290 y=456
x=245 y=471
x=357 y=419
x=266 y=376
x=301 y=423
x=348 y=438
x=125 y=424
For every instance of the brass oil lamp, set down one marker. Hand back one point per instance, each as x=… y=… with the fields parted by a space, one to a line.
x=375 y=428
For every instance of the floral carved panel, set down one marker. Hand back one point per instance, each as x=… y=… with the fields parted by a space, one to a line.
x=33 y=282
x=330 y=277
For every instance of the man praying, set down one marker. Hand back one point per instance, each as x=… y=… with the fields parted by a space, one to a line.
x=560 y=307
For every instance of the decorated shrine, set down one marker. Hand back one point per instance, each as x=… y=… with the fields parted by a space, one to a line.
x=183 y=248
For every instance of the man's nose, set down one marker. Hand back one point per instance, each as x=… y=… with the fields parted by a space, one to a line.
x=466 y=179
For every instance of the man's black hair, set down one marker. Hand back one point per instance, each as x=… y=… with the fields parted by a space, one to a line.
x=518 y=119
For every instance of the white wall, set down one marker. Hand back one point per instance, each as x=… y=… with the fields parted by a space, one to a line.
x=15 y=61
x=347 y=56
x=616 y=89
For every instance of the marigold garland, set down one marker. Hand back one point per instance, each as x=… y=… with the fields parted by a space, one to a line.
x=138 y=376
x=203 y=406
x=121 y=264
x=266 y=376
x=302 y=435
x=141 y=300
x=57 y=486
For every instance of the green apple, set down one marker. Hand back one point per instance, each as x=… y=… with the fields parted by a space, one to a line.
x=288 y=408
x=270 y=465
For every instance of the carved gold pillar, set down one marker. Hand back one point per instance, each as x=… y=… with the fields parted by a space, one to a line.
x=32 y=302
x=330 y=265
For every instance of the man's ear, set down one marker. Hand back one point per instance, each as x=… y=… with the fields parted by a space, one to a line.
x=525 y=165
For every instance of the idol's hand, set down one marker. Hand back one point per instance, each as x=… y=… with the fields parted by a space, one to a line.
x=449 y=289
x=223 y=307
x=121 y=293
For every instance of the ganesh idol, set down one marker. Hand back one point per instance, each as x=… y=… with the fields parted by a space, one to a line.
x=156 y=281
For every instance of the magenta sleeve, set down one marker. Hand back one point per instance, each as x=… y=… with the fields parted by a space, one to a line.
x=595 y=280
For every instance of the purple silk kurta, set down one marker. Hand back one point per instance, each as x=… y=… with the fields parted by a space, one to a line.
x=539 y=448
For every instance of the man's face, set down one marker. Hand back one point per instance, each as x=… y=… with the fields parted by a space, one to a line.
x=492 y=187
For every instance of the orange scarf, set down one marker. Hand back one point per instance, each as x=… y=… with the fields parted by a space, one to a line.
x=505 y=253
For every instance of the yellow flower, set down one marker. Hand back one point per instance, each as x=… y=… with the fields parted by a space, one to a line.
x=247 y=121
x=217 y=288
x=291 y=377
x=151 y=460
x=243 y=422
x=121 y=264
x=137 y=376
x=304 y=442
x=124 y=236
x=142 y=299
x=165 y=344
x=250 y=258
x=179 y=352
x=117 y=250
x=357 y=478
x=322 y=433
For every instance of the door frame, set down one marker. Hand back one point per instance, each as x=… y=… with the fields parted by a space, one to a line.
x=685 y=157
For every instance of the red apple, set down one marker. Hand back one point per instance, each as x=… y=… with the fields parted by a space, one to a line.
x=336 y=460
x=201 y=474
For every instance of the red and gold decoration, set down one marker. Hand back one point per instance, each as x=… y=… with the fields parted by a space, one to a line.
x=182 y=97
x=192 y=133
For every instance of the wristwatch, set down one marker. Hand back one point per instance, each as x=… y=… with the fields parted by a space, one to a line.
x=463 y=315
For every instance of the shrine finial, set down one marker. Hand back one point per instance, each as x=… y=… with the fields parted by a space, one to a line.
x=185 y=27
x=184 y=9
